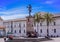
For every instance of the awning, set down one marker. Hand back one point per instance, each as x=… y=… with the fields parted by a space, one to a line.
x=2 y=27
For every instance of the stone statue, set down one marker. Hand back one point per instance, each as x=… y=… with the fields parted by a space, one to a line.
x=29 y=9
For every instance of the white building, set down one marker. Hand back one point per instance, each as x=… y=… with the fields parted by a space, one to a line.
x=16 y=26
x=2 y=28
x=19 y=27
x=54 y=27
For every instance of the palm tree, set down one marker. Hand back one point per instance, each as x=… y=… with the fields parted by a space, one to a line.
x=38 y=18
x=48 y=18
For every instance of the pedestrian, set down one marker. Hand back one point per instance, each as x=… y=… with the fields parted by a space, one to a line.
x=4 y=38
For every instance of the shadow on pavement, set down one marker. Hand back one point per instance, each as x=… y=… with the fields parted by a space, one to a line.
x=45 y=39
x=29 y=40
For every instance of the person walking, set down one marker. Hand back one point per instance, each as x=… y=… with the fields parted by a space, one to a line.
x=5 y=39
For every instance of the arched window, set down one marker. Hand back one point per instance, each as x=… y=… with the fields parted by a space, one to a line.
x=24 y=31
x=24 y=25
x=20 y=25
x=40 y=24
x=54 y=23
x=54 y=30
x=19 y=31
x=40 y=30
x=14 y=25
x=15 y=31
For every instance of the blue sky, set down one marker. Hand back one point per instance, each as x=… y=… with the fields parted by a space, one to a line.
x=10 y=9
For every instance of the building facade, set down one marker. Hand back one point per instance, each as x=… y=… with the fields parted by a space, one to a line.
x=19 y=27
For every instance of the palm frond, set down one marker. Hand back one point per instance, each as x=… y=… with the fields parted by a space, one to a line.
x=48 y=17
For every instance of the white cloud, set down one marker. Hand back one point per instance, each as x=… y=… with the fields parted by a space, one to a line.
x=14 y=16
x=49 y=2
x=14 y=13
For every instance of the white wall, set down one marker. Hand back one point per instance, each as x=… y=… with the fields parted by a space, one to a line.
x=17 y=28
x=51 y=28
x=43 y=27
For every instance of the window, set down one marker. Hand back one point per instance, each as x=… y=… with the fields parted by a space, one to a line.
x=11 y=24
x=40 y=30
x=19 y=31
x=24 y=25
x=54 y=30
x=20 y=25
x=15 y=31
x=40 y=24
x=54 y=23
x=24 y=31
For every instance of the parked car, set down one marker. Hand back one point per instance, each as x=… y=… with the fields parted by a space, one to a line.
x=10 y=37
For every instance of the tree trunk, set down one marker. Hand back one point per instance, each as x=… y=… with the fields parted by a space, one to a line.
x=47 y=26
x=47 y=29
x=37 y=30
